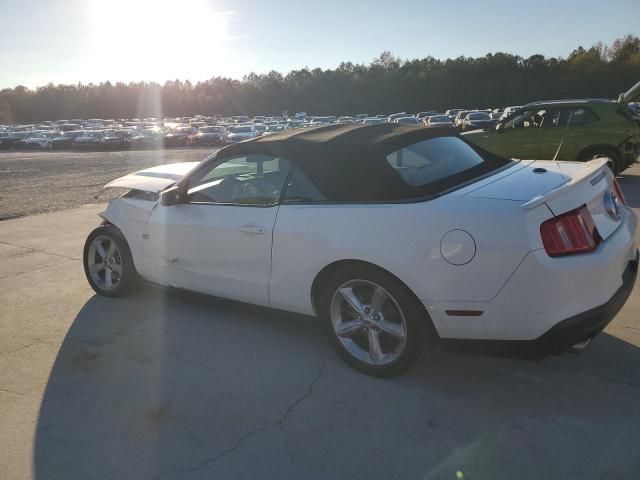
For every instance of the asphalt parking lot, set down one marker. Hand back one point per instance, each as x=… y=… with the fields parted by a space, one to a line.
x=168 y=385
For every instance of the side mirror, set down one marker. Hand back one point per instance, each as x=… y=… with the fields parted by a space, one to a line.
x=499 y=127
x=171 y=196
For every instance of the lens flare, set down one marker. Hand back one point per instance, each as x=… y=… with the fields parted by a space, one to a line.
x=156 y=40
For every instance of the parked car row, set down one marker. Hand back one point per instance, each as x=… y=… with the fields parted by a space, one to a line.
x=113 y=134
x=125 y=138
x=557 y=130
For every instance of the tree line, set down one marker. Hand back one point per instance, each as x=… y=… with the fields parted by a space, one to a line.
x=388 y=84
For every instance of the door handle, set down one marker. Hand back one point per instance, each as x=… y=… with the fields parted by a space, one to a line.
x=252 y=229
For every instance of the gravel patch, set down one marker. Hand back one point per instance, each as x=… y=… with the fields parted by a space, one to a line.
x=41 y=182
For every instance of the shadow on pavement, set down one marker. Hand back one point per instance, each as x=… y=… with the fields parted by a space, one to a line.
x=171 y=385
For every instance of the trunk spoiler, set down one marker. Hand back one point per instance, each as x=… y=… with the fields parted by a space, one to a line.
x=591 y=169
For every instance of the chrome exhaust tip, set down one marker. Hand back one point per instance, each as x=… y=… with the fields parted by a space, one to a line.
x=578 y=347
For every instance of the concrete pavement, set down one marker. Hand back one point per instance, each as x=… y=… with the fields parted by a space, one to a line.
x=177 y=386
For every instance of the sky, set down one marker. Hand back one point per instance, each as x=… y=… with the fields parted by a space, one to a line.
x=72 y=41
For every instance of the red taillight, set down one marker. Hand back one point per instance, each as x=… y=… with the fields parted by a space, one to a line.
x=619 y=194
x=570 y=233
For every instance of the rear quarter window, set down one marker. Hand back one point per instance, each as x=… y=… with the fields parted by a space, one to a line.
x=433 y=160
x=392 y=173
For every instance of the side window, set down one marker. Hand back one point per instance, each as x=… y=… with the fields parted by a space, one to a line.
x=255 y=180
x=525 y=119
x=433 y=160
x=550 y=118
x=300 y=189
x=580 y=116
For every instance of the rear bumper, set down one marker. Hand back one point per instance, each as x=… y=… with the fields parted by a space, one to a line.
x=588 y=324
x=563 y=335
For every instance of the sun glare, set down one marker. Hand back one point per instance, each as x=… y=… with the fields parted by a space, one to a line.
x=156 y=39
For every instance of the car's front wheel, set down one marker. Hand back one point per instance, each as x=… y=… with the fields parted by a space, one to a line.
x=108 y=263
x=374 y=322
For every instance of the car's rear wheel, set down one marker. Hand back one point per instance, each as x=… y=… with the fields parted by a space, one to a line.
x=374 y=322
x=108 y=263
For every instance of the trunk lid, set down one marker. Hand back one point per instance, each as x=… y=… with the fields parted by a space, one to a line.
x=153 y=179
x=590 y=184
x=561 y=186
x=522 y=182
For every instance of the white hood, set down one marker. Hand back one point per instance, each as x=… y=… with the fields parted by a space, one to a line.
x=153 y=179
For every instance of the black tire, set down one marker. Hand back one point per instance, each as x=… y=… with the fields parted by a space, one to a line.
x=128 y=280
x=417 y=322
x=615 y=163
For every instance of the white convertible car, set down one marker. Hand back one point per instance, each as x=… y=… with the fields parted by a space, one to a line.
x=396 y=237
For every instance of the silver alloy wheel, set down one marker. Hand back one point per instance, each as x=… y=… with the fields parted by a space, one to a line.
x=104 y=263
x=368 y=322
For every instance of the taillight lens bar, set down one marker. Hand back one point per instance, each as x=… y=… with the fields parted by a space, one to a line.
x=571 y=233
x=618 y=190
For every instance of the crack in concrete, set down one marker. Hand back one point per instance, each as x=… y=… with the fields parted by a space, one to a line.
x=279 y=423
x=303 y=397
x=359 y=470
x=292 y=453
x=630 y=327
x=29 y=345
x=14 y=393
x=285 y=416
x=33 y=269
x=213 y=459
x=39 y=251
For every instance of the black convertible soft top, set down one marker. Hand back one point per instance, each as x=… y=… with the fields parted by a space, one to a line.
x=358 y=139
x=347 y=163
